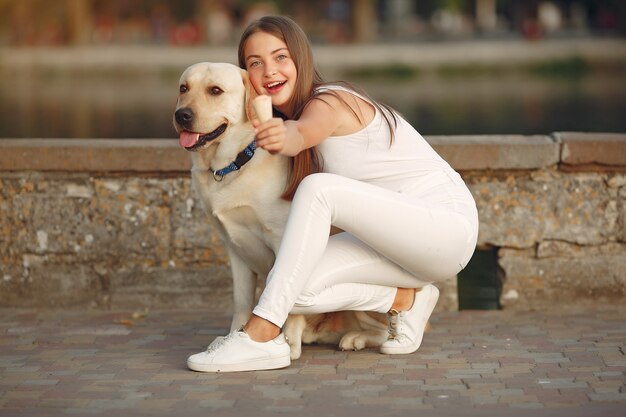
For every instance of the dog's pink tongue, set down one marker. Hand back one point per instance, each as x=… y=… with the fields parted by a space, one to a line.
x=188 y=139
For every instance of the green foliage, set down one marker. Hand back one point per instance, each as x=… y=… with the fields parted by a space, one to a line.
x=567 y=68
x=454 y=5
x=469 y=70
x=570 y=68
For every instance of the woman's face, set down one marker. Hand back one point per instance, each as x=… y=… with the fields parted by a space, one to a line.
x=271 y=69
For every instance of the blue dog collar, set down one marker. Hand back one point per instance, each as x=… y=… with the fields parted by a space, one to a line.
x=242 y=158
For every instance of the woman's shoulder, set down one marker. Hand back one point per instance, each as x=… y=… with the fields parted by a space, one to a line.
x=342 y=92
x=335 y=96
x=332 y=89
x=353 y=110
x=330 y=86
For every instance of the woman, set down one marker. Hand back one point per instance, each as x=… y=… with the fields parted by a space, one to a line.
x=409 y=219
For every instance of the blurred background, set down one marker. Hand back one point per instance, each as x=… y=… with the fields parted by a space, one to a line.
x=110 y=68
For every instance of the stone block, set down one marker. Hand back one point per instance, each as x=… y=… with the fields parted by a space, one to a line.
x=49 y=281
x=6 y=224
x=621 y=209
x=448 y=296
x=563 y=272
x=91 y=227
x=93 y=155
x=194 y=239
x=496 y=152
x=207 y=287
x=586 y=151
x=518 y=211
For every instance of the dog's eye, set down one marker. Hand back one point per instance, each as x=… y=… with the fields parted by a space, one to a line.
x=215 y=91
x=183 y=88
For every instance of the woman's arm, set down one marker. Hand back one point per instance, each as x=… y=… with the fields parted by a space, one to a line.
x=319 y=120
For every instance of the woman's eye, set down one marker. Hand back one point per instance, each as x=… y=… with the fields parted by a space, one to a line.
x=254 y=64
x=281 y=57
x=183 y=88
x=215 y=91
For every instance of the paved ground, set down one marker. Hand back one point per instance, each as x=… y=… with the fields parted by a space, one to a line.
x=472 y=363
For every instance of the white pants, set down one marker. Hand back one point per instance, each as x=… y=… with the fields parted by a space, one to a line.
x=391 y=240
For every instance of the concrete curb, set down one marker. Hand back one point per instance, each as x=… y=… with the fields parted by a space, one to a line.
x=569 y=150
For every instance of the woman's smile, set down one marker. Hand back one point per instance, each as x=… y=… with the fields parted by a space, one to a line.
x=274 y=87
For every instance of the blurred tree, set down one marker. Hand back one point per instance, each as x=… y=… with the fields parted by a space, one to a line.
x=454 y=5
x=365 y=27
x=80 y=20
x=486 y=17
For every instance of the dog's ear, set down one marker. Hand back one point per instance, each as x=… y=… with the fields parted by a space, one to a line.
x=250 y=94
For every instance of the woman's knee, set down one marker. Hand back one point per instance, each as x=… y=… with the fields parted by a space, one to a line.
x=315 y=183
x=315 y=187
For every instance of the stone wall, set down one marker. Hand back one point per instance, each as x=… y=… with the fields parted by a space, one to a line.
x=115 y=223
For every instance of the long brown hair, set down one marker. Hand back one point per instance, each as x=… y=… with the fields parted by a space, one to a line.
x=308 y=161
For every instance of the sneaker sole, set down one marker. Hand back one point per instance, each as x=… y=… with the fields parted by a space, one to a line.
x=402 y=350
x=259 y=365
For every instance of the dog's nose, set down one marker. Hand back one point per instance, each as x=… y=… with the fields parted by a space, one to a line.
x=184 y=116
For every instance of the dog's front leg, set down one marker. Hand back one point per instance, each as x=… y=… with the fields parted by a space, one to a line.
x=294 y=327
x=244 y=286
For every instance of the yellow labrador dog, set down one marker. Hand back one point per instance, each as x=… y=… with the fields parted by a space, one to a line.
x=240 y=188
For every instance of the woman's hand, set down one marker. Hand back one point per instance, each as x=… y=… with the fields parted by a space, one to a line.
x=319 y=120
x=273 y=137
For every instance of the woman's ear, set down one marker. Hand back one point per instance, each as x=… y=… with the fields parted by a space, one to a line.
x=250 y=94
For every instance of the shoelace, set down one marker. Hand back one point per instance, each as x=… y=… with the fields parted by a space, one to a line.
x=395 y=328
x=219 y=343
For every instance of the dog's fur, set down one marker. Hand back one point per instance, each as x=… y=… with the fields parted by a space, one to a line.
x=245 y=206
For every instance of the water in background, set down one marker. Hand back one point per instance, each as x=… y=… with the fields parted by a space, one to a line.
x=53 y=104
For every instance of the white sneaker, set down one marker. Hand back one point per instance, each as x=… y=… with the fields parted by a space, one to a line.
x=406 y=328
x=236 y=352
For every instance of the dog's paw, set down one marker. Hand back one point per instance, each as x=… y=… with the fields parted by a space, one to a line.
x=353 y=341
x=294 y=326
x=296 y=352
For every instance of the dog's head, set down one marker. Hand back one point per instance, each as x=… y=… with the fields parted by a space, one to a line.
x=213 y=98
